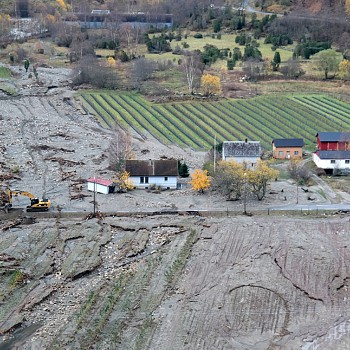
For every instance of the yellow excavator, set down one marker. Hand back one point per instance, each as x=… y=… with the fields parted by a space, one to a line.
x=36 y=204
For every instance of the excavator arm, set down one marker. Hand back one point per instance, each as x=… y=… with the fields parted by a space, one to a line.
x=22 y=193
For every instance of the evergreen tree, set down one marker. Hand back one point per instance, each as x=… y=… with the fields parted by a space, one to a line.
x=183 y=169
x=26 y=64
x=276 y=61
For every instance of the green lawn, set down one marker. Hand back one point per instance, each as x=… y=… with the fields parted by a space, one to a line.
x=226 y=41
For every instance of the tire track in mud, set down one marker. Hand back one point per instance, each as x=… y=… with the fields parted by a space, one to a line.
x=304 y=264
x=30 y=129
x=237 y=296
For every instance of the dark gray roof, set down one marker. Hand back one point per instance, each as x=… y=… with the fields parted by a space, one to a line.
x=333 y=136
x=333 y=154
x=241 y=148
x=150 y=167
x=288 y=142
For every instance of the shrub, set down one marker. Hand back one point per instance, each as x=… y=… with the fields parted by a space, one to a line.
x=198 y=36
x=230 y=64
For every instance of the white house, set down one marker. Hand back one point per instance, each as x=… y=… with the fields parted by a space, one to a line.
x=333 y=162
x=101 y=186
x=153 y=173
x=248 y=152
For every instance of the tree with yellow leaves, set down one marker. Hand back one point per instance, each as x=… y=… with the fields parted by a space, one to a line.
x=228 y=179
x=111 y=61
x=123 y=182
x=50 y=19
x=258 y=178
x=211 y=84
x=347 y=6
x=200 y=180
x=344 y=70
x=62 y=5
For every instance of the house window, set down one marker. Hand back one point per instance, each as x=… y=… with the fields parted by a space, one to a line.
x=165 y=178
x=332 y=161
x=296 y=153
x=347 y=161
x=143 y=179
x=280 y=153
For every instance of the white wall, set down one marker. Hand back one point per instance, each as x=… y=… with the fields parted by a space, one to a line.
x=155 y=180
x=326 y=163
x=99 y=188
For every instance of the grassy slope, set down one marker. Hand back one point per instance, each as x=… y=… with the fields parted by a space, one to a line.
x=226 y=41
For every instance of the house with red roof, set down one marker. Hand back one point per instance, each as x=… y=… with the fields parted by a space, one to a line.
x=98 y=185
x=333 y=152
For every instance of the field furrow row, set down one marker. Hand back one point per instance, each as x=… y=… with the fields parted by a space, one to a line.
x=195 y=124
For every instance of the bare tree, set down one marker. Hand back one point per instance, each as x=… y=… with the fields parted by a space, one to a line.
x=130 y=36
x=292 y=69
x=253 y=68
x=5 y=27
x=193 y=69
x=81 y=46
x=142 y=70
x=299 y=171
x=120 y=149
x=88 y=71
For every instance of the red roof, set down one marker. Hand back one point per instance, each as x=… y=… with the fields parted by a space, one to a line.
x=100 y=181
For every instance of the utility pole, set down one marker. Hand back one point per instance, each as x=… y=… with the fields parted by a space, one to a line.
x=297 y=190
x=94 y=195
x=214 y=153
x=245 y=195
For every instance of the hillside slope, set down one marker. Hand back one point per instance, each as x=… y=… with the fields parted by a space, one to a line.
x=328 y=7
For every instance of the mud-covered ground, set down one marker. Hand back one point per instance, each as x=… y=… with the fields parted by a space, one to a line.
x=179 y=282
x=154 y=282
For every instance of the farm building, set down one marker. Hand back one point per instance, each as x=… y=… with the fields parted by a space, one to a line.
x=287 y=148
x=248 y=152
x=153 y=173
x=333 y=141
x=101 y=185
x=333 y=162
x=101 y=19
x=333 y=152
